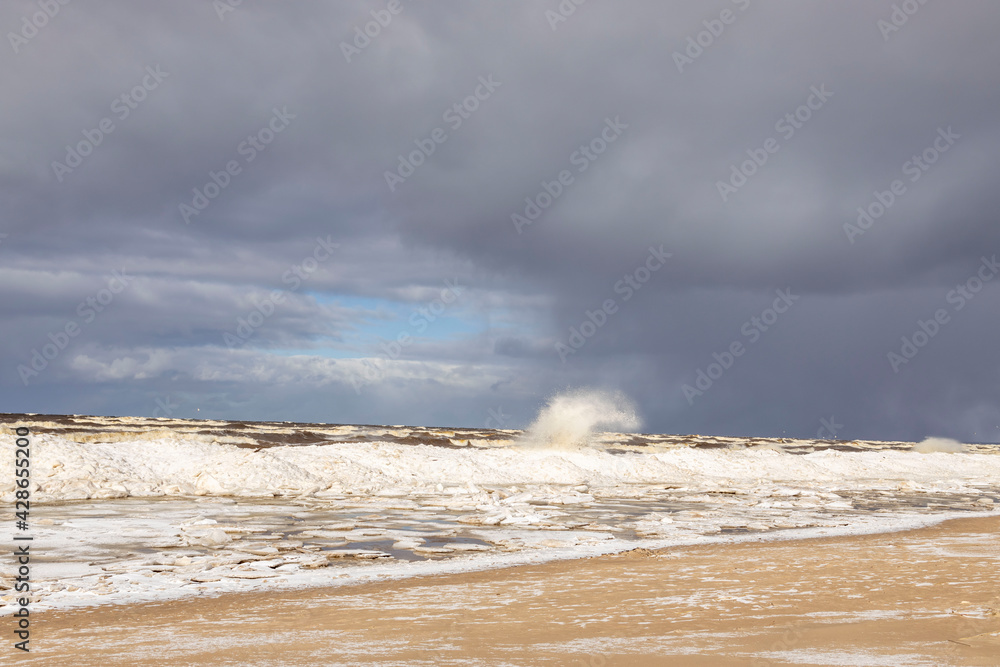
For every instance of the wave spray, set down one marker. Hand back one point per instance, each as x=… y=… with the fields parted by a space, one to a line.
x=570 y=419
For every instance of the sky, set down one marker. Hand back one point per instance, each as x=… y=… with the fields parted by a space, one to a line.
x=754 y=218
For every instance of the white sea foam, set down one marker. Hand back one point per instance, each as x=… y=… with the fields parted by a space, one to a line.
x=570 y=419
x=931 y=445
x=63 y=469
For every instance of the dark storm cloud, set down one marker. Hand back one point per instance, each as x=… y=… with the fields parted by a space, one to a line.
x=827 y=104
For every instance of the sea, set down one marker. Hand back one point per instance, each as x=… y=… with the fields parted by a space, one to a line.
x=129 y=509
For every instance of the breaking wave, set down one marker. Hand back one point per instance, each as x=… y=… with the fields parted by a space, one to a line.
x=946 y=445
x=570 y=419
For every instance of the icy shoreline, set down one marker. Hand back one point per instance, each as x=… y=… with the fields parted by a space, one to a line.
x=120 y=517
x=66 y=470
x=98 y=590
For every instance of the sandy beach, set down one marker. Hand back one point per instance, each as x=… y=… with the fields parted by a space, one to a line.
x=923 y=597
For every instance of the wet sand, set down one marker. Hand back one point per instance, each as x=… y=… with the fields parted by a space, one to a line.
x=923 y=597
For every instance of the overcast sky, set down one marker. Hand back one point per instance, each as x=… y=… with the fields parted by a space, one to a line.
x=262 y=212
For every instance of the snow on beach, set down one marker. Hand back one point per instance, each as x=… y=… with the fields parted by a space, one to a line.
x=183 y=465
x=571 y=443
x=127 y=509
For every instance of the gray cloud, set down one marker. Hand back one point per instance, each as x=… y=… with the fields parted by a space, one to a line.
x=323 y=176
